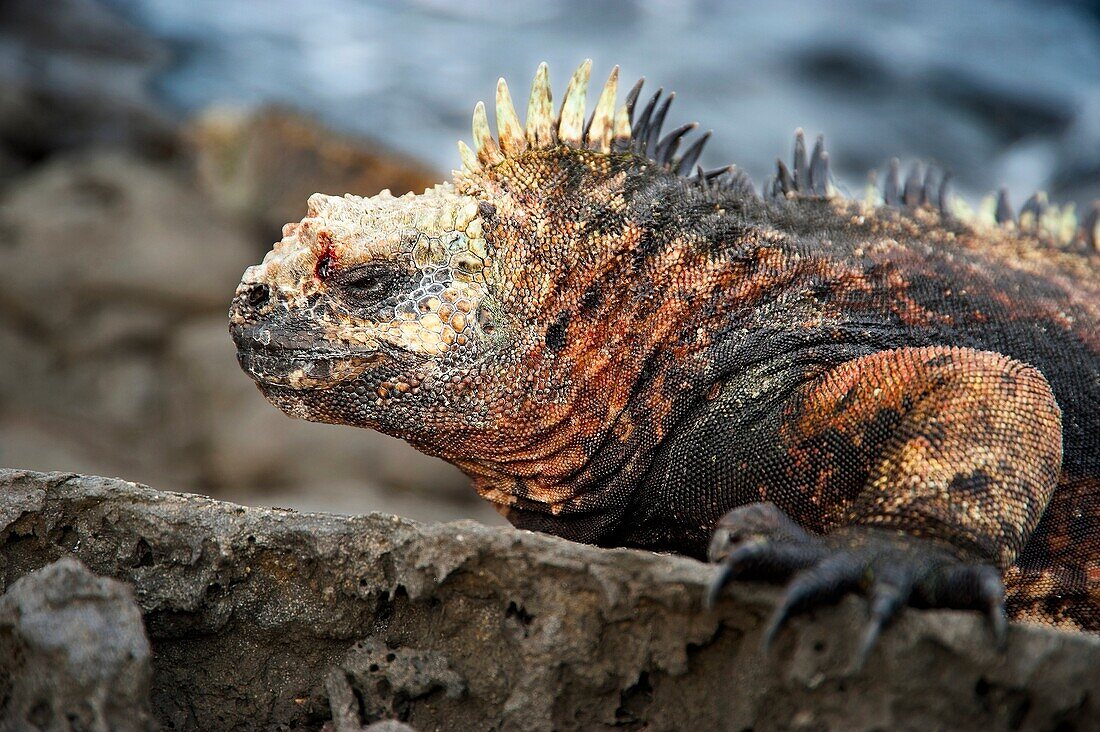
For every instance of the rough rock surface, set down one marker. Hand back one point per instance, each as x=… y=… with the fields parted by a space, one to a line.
x=73 y=653
x=266 y=617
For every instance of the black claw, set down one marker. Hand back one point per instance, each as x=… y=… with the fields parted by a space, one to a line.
x=1004 y=212
x=868 y=643
x=992 y=591
x=888 y=596
x=691 y=155
x=891 y=191
x=759 y=541
x=801 y=169
x=998 y=621
x=722 y=577
x=823 y=584
x=974 y=587
x=778 y=620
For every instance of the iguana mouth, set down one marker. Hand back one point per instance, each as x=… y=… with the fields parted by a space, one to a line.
x=306 y=368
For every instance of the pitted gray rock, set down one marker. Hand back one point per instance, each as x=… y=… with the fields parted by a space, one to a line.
x=73 y=653
x=265 y=617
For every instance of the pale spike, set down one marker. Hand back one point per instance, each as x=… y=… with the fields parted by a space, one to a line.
x=1090 y=226
x=540 y=111
x=620 y=139
x=603 y=118
x=571 y=124
x=469 y=160
x=487 y=150
x=1067 y=223
x=509 y=130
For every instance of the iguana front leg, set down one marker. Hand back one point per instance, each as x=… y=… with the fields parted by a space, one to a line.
x=921 y=472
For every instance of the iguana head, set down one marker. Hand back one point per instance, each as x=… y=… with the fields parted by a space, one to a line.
x=364 y=303
x=502 y=320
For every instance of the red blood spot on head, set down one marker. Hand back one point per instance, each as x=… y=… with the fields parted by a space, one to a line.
x=325 y=262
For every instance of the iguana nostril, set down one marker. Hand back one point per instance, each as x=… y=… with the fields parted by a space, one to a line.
x=258 y=295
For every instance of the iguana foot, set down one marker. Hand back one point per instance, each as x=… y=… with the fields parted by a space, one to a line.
x=759 y=541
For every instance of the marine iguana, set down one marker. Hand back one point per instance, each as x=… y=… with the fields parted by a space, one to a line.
x=889 y=396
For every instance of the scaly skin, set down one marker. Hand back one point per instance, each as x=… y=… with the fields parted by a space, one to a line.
x=887 y=399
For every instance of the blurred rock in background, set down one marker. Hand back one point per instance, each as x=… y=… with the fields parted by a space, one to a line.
x=261 y=166
x=74 y=73
x=123 y=234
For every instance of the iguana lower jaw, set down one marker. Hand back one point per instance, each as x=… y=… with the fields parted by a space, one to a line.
x=279 y=352
x=309 y=376
x=306 y=369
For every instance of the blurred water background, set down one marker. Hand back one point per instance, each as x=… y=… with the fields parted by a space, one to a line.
x=143 y=166
x=1002 y=92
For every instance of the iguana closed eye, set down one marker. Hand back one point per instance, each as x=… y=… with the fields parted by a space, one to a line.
x=887 y=396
